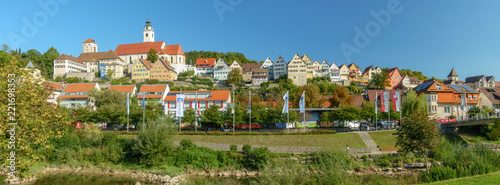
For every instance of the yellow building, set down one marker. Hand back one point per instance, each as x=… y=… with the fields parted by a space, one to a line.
x=162 y=71
x=355 y=74
x=141 y=70
x=310 y=66
x=297 y=70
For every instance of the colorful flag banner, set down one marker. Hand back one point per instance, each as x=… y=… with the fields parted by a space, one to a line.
x=396 y=99
x=144 y=101
x=285 y=107
x=384 y=102
x=376 y=102
x=302 y=104
x=179 y=112
x=232 y=108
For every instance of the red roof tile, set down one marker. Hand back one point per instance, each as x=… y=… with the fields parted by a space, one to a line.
x=123 y=88
x=146 y=62
x=144 y=47
x=205 y=61
x=78 y=87
x=73 y=96
x=153 y=88
x=218 y=95
x=54 y=86
x=173 y=50
x=68 y=57
x=89 y=40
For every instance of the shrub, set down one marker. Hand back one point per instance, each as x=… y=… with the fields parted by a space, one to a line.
x=438 y=173
x=247 y=148
x=64 y=155
x=258 y=158
x=233 y=148
x=495 y=131
x=186 y=144
x=155 y=142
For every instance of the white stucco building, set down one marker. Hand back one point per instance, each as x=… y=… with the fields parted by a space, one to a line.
x=269 y=65
x=221 y=70
x=279 y=67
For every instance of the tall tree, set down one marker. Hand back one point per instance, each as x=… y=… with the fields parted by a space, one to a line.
x=48 y=61
x=341 y=97
x=313 y=98
x=212 y=115
x=412 y=103
x=380 y=80
x=234 y=77
x=419 y=134
x=152 y=55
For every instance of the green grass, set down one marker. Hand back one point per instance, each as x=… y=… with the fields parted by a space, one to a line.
x=492 y=178
x=336 y=141
x=383 y=138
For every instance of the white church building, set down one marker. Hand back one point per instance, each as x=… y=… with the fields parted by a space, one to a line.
x=173 y=54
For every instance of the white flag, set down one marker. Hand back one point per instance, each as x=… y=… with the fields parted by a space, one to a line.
x=179 y=112
x=376 y=97
x=285 y=107
x=302 y=104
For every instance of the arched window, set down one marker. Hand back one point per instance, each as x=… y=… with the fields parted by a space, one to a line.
x=146 y=34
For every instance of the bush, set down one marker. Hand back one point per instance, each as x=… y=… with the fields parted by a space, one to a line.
x=219 y=133
x=247 y=148
x=186 y=144
x=155 y=142
x=258 y=158
x=233 y=148
x=438 y=173
x=494 y=134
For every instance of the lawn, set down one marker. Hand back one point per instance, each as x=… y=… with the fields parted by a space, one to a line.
x=321 y=140
x=492 y=178
x=383 y=138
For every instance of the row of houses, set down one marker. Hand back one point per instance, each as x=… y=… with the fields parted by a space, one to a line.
x=299 y=69
x=76 y=95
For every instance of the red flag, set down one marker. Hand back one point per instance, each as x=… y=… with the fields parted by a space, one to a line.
x=395 y=101
x=382 y=104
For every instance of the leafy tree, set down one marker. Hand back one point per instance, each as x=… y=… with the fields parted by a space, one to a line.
x=189 y=116
x=48 y=61
x=313 y=98
x=473 y=111
x=152 y=55
x=412 y=103
x=419 y=134
x=494 y=134
x=110 y=73
x=234 y=77
x=354 y=88
x=409 y=72
x=340 y=95
x=367 y=111
x=154 y=144
x=212 y=116
x=38 y=121
x=380 y=80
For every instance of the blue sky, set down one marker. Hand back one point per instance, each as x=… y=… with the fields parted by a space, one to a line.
x=424 y=35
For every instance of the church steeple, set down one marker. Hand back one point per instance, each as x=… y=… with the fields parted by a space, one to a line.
x=148 y=33
x=453 y=75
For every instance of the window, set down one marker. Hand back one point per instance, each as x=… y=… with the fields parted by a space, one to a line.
x=146 y=34
x=447 y=109
x=439 y=87
x=475 y=98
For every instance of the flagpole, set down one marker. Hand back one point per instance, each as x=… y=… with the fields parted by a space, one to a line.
x=180 y=117
x=234 y=112
x=127 y=110
x=388 y=114
x=250 y=102
x=304 y=111
x=287 y=112
x=196 y=112
x=376 y=112
x=143 y=111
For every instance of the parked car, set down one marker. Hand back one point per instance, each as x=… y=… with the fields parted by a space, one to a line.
x=353 y=124
x=364 y=126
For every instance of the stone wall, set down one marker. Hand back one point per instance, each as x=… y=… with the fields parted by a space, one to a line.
x=85 y=76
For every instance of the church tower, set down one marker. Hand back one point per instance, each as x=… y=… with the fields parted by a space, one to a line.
x=89 y=46
x=148 y=33
x=453 y=76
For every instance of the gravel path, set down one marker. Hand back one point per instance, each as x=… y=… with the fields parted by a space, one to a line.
x=367 y=139
x=279 y=149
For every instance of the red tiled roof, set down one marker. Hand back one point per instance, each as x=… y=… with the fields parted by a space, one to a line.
x=149 y=96
x=54 y=86
x=146 y=62
x=123 y=88
x=89 y=40
x=78 y=87
x=497 y=84
x=144 y=47
x=73 y=96
x=218 y=95
x=248 y=67
x=68 y=57
x=153 y=88
x=205 y=61
x=173 y=49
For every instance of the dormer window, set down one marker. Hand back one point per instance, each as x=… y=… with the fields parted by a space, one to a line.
x=439 y=87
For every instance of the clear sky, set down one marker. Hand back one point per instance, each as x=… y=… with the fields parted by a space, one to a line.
x=424 y=35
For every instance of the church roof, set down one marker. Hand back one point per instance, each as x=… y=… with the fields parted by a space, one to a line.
x=144 y=47
x=89 y=40
x=453 y=73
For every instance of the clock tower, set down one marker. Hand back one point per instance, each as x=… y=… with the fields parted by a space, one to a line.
x=148 y=33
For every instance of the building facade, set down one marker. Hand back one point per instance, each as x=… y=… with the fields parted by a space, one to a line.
x=205 y=66
x=280 y=67
x=269 y=65
x=480 y=81
x=235 y=65
x=76 y=95
x=141 y=70
x=221 y=70
x=65 y=64
x=161 y=70
x=259 y=76
x=310 y=66
x=297 y=70
x=334 y=72
x=198 y=100
x=394 y=77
